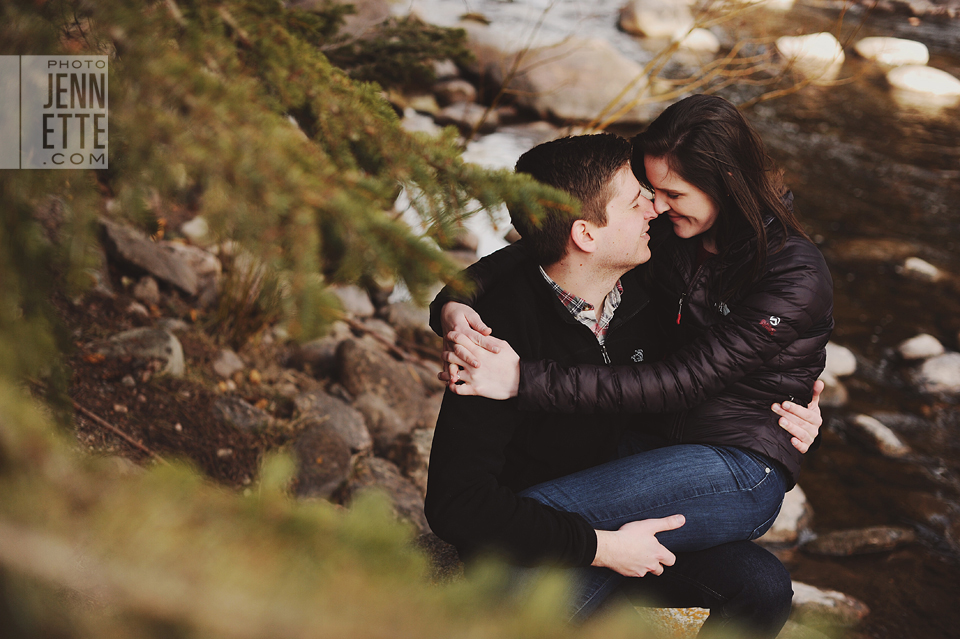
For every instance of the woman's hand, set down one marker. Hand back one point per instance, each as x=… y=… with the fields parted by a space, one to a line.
x=460 y=318
x=487 y=373
x=803 y=423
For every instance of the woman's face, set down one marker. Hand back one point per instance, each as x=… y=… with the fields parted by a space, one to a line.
x=692 y=211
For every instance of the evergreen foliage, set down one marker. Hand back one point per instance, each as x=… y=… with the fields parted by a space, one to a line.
x=228 y=110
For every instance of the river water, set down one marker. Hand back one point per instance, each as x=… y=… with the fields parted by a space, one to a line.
x=875 y=182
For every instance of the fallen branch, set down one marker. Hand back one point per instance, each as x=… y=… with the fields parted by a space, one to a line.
x=99 y=421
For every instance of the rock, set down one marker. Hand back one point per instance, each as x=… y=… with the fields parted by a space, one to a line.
x=878 y=436
x=893 y=52
x=578 y=79
x=133 y=247
x=424 y=103
x=924 y=79
x=240 y=414
x=462 y=239
x=227 y=363
x=355 y=300
x=366 y=368
x=381 y=328
x=795 y=515
x=323 y=461
x=673 y=622
x=411 y=453
x=445 y=69
x=922 y=346
x=656 y=19
x=875 y=249
x=136 y=308
x=468 y=116
x=411 y=322
x=445 y=564
x=843 y=543
x=417 y=123
x=921 y=269
x=318 y=410
x=819 y=608
x=817 y=56
x=939 y=374
x=834 y=392
x=793 y=630
x=374 y=473
x=383 y=423
x=190 y=269
x=147 y=343
x=570 y=80
x=196 y=230
x=840 y=360
x=701 y=40
x=512 y=236
x=318 y=357
x=453 y=91
x=147 y=291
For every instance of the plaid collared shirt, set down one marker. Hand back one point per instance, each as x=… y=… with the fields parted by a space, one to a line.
x=584 y=312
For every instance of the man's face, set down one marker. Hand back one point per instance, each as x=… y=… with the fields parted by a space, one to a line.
x=622 y=243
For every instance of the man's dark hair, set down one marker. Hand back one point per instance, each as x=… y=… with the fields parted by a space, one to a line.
x=584 y=167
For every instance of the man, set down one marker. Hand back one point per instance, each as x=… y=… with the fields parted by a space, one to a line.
x=580 y=304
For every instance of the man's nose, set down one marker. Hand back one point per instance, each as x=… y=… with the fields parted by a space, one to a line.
x=659 y=205
x=650 y=211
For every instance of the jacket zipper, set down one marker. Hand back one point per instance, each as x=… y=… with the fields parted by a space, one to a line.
x=684 y=295
x=603 y=351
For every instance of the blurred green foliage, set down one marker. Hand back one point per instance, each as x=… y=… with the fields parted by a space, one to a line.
x=228 y=110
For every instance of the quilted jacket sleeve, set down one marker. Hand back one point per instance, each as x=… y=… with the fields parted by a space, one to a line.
x=793 y=297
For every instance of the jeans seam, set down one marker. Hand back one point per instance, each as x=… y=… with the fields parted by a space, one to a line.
x=686 y=499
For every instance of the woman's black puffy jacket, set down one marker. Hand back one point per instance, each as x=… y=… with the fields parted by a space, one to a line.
x=738 y=356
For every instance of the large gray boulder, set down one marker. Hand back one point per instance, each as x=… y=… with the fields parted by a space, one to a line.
x=374 y=473
x=188 y=268
x=571 y=80
x=323 y=461
x=318 y=410
x=364 y=367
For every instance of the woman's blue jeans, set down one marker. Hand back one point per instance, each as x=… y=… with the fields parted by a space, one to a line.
x=726 y=494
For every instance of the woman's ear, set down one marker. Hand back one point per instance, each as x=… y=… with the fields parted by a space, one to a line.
x=583 y=236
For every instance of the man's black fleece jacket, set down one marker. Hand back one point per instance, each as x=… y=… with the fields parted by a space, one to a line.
x=486 y=451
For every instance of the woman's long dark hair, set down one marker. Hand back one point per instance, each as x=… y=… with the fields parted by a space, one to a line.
x=707 y=142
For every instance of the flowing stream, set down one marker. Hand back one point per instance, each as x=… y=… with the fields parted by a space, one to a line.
x=875 y=182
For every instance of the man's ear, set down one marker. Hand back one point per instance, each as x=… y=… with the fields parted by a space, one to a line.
x=583 y=236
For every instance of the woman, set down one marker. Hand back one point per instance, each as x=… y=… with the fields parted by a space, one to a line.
x=742 y=296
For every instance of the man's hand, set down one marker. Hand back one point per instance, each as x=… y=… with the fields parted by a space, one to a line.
x=460 y=318
x=803 y=423
x=493 y=374
x=634 y=551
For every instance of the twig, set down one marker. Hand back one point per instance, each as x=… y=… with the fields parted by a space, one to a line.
x=99 y=421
